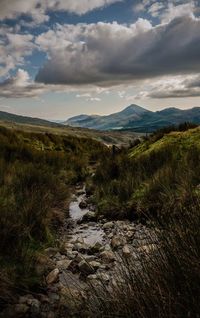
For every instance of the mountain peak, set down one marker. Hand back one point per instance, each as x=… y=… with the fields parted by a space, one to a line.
x=133 y=108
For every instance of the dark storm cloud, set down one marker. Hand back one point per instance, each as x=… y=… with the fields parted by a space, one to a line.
x=108 y=54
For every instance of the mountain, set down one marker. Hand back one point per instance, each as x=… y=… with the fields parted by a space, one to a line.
x=4 y=116
x=136 y=118
x=114 y=121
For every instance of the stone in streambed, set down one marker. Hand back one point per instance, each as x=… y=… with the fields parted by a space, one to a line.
x=85 y=268
x=126 y=251
x=63 y=264
x=89 y=216
x=83 y=205
x=107 y=256
x=108 y=225
x=117 y=241
x=53 y=276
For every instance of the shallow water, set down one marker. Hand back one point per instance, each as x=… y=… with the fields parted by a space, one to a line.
x=91 y=232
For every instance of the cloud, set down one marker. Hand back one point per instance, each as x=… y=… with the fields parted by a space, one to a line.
x=107 y=54
x=38 y=9
x=173 y=11
x=14 y=48
x=20 y=86
x=174 y=87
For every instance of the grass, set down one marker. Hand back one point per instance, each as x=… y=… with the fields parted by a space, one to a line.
x=164 y=284
x=31 y=206
x=150 y=177
x=156 y=181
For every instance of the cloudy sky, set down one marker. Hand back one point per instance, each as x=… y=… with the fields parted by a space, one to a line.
x=60 y=58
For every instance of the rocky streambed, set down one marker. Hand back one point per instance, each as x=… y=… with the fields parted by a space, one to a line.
x=92 y=253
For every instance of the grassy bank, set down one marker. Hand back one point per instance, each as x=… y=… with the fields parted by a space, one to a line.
x=157 y=180
x=159 y=175
x=36 y=174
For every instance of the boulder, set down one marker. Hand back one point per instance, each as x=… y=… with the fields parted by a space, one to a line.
x=117 y=241
x=107 y=256
x=85 y=268
x=34 y=307
x=95 y=264
x=81 y=247
x=89 y=216
x=103 y=277
x=83 y=205
x=95 y=248
x=63 y=264
x=53 y=276
x=108 y=225
x=126 y=251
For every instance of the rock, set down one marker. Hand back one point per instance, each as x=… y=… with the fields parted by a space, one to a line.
x=147 y=249
x=95 y=248
x=83 y=205
x=73 y=299
x=34 y=307
x=103 y=277
x=95 y=264
x=108 y=225
x=85 y=268
x=51 y=314
x=107 y=256
x=80 y=192
x=130 y=234
x=51 y=251
x=117 y=241
x=89 y=216
x=52 y=277
x=81 y=247
x=110 y=235
x=92 y=277
x=24 y=299
x=80 y=240
x=126 y=251
x=43 y=263
x=63 y=264
x=21 y=309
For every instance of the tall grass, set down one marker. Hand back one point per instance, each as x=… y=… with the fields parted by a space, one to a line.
x=37 y=172
x=164 y=283
x=150 y=178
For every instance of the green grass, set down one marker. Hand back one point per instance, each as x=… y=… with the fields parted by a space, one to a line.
x=150 y=177
x=37 y=171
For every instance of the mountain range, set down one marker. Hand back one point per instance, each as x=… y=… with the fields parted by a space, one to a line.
x=133 y=118
x=136 y=118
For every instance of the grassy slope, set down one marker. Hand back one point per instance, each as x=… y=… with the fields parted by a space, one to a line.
x=159 y=178
x=31 y=207
x=181 y=140
x=107 y=137
x=150 y=177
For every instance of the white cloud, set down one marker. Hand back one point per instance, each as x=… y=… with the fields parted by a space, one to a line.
x=38 y=9
x=172 y=87
x=20 y=86
x=155 y=9
x=174 y=11
x=13 y=49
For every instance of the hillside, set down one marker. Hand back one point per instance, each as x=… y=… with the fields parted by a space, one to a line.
x=4 y=116
x=136 y=118
x=136 y=181
x=118 y=138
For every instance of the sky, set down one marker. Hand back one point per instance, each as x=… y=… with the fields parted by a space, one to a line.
x=61 y=58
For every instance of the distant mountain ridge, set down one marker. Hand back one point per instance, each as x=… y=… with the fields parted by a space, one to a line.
x=136 y=118
x=4 y=116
